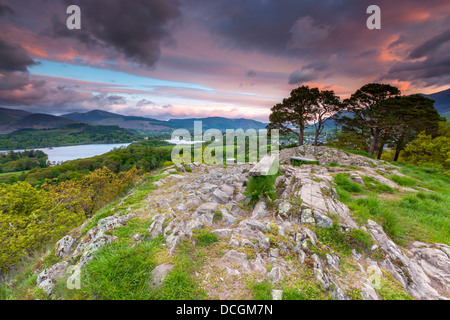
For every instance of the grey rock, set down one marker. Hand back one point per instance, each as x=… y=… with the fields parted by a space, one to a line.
x=157 y=226
x=307 y=217
x=227 y=218
x=158 y=275
x=222 y=233
x=208 y=207
x=264 y=243
x=277 y=294
x=228 y=190
x=235 y=256
x=172 y=240
x=274 y=253
x=221 y=196
x=233 y=241
x=322 y=220
x=275 y=274
x=368 y=292
x=47 y=278
x=260 y=210
x=283 y=209
x=63 y=247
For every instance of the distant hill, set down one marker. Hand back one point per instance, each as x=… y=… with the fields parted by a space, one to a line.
x=442 y=102
x=13 y=120
x=219 y=123
x=128 y=122
x=70 y=134
x=149 y=124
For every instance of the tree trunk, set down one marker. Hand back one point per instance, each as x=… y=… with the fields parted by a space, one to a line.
x=300 y=138
x=373 y=143
x=398 y=148
x=380 y=150
x=316 y=137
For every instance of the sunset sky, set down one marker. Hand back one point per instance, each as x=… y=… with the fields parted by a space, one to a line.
x=198 y=58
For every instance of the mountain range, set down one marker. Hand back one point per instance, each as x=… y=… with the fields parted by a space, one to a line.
x=12 y=120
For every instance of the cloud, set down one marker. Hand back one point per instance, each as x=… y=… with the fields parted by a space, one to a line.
x=144 y=102
x=13 y=57
x=135 y=29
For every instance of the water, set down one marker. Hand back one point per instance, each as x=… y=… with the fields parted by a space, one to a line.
x=61 y=154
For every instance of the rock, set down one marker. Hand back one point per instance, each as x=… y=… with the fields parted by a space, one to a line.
x=233 y=242
x=221 y=196
x=235 y=256
x=193 y=225
x=47 y=278
x=322 y=220
x=157 y=226
x=246 y=242
x=227 y=218
x=264 y=243
x=277 y=294
x=172 y=240
x=260 y=210
x=175 y=177
x=283 y=209
x=208 y=207
x=222 y=233
x=275 y=274
x=97 y=243
x=274 y=253
x=255 y=224
x=356 y=178
x=137 y=237
x=307 y=217
x=158 y=275
x=228 y=190
x=64 y=246
x=301 y=256
x=113 y=222
x=368 y=293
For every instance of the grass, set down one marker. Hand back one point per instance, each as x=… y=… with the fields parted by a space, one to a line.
x=344 y=242
x=259 y=187
x=301 y=162
x=421 y=216
x=204 y=237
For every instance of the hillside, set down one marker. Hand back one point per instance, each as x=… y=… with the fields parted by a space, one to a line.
x=148 y=124
x=349 y=228
x=13 y=121
x=68 y=134
x=442 y=102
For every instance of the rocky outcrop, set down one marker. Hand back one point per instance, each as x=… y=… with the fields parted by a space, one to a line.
x=274 y=240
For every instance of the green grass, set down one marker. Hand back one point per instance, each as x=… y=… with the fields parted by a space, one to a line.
x=374 y=185
x=359 y=152
x=344 y=182
x=301 y=162
x=259 y=187
x=204 y=237
x=422 y=216
x=344 y=242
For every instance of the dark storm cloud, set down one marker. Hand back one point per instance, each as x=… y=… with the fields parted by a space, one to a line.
x=135 y=28
x=5 y=10
x=13 y=57
x=430 y=46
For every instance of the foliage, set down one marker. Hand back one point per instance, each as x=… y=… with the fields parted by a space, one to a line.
x=370 y=115
x=304 y=105
x=259 y=187
x=93 y=191
x=29 y=219
x=428 y=150
x=21 y=161
x=142 y=155
x=204 y=237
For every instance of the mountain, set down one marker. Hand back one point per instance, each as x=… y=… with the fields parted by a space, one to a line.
x=149 y=124
x=442 y=102
x=127 y=122
x=219 y=123
x=13 y=120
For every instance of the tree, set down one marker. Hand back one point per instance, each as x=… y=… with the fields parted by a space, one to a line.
x=409 y=116
x=369 y=111
x=304 y=106
x=328 y=104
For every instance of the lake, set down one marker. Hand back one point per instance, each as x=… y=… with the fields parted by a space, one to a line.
x=61 y=154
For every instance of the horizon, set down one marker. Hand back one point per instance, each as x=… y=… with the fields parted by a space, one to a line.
x=173 y=60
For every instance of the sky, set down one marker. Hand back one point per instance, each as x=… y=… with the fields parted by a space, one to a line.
x=198 y=58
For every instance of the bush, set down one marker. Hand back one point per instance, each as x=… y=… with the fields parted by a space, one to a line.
x=259 y=187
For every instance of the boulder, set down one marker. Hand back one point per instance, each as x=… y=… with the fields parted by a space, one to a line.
x=307 y=217
x=158 y=275
x=63 y=247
